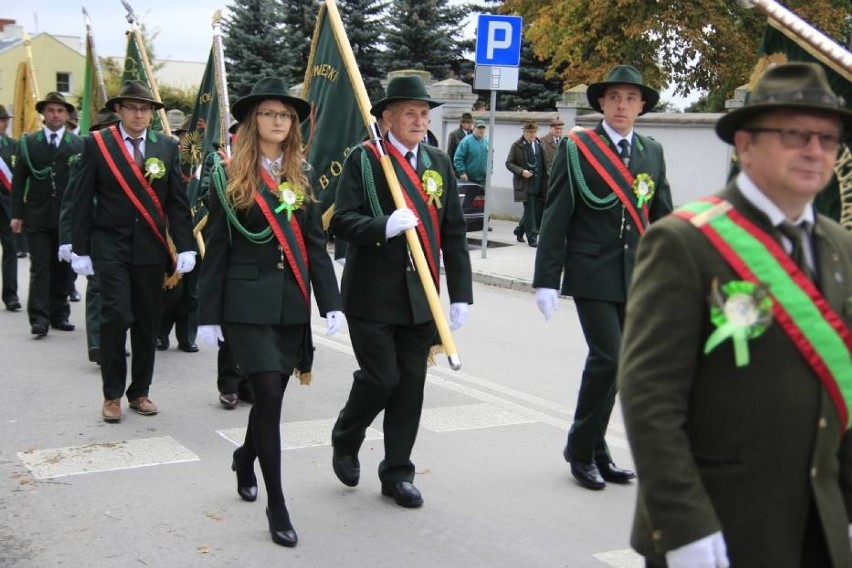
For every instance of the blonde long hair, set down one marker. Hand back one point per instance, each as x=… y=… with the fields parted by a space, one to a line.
x=243 y=176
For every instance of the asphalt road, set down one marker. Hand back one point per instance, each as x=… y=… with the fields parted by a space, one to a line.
x=158 y=491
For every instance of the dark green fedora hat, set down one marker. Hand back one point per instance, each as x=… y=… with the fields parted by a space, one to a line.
x=4 y=113
x=57 y=98
x=269 y=88
x=105 y=118
x=623 y=75
x=135 y=91
x=792 y=86
x=408 y=88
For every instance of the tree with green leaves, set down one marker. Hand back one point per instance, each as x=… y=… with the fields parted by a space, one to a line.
x=300 y=16
x=425 y=34
x=365 y=31
x=253 y=40
x=706 y=45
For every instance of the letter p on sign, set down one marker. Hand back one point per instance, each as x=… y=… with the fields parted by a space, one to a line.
x=498 y=40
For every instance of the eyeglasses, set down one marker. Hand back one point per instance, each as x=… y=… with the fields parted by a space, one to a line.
x=137 y=109
x=272 y=115
x=794 y=138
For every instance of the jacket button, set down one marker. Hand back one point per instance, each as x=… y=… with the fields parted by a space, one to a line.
x=823 y=423
x=813 y=472
x=626 y=246
x=657 y=535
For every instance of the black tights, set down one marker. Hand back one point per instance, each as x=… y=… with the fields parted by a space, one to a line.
x=264 y=441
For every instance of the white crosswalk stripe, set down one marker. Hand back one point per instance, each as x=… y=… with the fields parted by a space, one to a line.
x=621 y=559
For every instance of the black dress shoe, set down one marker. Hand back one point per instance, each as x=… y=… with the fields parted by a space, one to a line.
x=282 y=534
x=519 y=235
x=162 y=343
x=533 y=243
x=13 y=305
x=188 y=347
x=615 y=474
x=347 y=468
x=63 y=325
x=95 y=355
x=74 y=296
x=245 y=394
x=586 y=473
x=404 y=493
x=246 y=480
x=39 y=329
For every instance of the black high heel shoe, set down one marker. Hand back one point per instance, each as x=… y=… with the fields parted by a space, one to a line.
x=246 y=481
x=283 y=536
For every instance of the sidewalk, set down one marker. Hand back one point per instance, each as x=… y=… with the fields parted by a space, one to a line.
x=508 y=263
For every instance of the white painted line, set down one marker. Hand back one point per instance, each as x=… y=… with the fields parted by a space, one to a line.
x=469 y=417
x=107 y=456
x=297 y=435
x=621 y=559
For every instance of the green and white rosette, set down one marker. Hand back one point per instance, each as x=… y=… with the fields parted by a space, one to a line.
x=154 y=169
x=433 y=184
x=740 y=311
x=643 y=189
x=291 y=199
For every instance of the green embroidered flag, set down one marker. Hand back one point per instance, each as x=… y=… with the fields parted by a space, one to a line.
x=92 y=101
x=335 y=125
x=134 y=70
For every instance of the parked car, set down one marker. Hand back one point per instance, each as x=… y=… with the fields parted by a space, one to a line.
x=472 y=198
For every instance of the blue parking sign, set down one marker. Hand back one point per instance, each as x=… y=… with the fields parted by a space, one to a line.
x=498 y=40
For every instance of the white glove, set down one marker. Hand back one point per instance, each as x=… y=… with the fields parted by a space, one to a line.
x=708 y=552
x=64 y=253
x=333 y=322
x=545 y=299
x=399 y=221
x=82 y=265
x=185 y=262
x=210 y=335
x=458 y=314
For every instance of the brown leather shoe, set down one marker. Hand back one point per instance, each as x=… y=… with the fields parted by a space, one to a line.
x=112 y=410
x=144 y=406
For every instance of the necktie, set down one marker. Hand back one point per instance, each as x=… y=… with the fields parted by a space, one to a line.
x=137 y=153
x=625 y=151
x=797 y=254
x=53 y=138
x=410 y=157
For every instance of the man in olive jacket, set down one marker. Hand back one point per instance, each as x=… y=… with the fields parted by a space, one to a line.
x=735 y=371
x=40 y=179
x=589 y=234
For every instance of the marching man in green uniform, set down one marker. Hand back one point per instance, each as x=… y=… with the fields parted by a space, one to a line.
x=40 y=180
x=8 y=151
x=607 y=184
x=129 y=191
x=390 y=324
x=735 y=375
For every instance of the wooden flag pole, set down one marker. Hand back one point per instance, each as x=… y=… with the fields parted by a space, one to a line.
x=393 y=183
x=221 y=83
x=31 y=67
x=99 y=76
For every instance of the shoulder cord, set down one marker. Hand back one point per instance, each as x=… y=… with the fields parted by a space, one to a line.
x=370 y=184
x=38 y=174
x=217 y=176
x=586 y=194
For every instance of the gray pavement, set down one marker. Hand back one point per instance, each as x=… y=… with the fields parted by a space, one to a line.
x=507 y=263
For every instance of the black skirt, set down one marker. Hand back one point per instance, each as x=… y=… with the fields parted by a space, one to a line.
x=265 y=348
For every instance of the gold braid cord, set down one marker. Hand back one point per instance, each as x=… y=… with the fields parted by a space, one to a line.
x=843 y=171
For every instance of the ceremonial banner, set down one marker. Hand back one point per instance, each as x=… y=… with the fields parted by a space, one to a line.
x=134 y=70
x=25 y=117
x=335 y=125
x=92 y=100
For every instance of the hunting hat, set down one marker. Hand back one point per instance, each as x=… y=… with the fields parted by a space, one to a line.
x=184 y=126
x=135 y=91
x=466 y=117
x=623 y=75
x=269 y=88
x=105 y=118
x=479 y=124
x=792 y=86
x=410 y=88
x=54 y=97
x=530 y=125
x=4 y=113
x=73 y=119
x=557 y=122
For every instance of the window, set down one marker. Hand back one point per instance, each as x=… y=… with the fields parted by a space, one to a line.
x=63 y=82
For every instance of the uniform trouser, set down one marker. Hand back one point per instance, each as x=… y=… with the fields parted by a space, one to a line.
x=531 y=219
x=48 y=298
x=228 y=380
x=180 y=308
x=131 y=298
x=10 y=259
x=93 y=312
x=602 y=324
x=392 y=360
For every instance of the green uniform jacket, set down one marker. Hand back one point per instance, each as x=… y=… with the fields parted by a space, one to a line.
x=245 y=282
x=8 y=149
x=106 y=225
x=379 y=282
x=37 y=201
x=718 y=447
x=597 y=256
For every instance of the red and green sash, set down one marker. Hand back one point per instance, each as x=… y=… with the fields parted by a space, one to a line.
x=417 y=200
x=612 y=170
x=289 y=235
x=819 y=334
x=130 y=177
